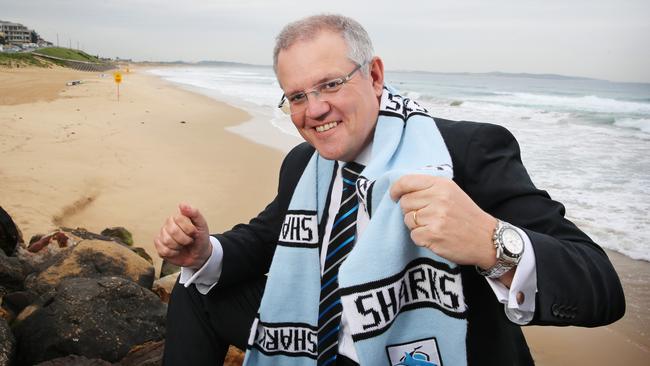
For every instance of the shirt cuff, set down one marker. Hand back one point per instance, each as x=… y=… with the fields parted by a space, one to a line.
x=519 y=300
x=207 y=276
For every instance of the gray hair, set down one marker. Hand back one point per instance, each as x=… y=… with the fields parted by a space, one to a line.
x=356 y=38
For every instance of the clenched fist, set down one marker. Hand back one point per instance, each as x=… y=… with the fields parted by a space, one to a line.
x=184 y=238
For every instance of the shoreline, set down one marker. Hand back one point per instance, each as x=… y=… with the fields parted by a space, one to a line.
x=257 y=128
x=75 y=156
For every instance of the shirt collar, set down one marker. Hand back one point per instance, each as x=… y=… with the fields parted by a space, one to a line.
x=363 y=158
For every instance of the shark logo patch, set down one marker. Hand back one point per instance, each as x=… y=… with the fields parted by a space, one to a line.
x=423 y=352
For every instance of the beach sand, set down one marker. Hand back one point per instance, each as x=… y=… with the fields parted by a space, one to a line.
x=74 y=156
x=86 y=160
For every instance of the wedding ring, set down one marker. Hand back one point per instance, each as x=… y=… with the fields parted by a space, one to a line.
x=415 y=218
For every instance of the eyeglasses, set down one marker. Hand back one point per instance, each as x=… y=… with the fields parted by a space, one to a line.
x=297 y=102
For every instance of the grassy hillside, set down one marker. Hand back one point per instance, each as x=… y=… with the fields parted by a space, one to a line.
x=26 y=59
x=68 y=54
x=21 y=59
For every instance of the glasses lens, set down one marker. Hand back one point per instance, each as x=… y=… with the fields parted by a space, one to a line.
x=286 y=107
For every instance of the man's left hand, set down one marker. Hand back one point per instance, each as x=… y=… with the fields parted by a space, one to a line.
x=444 y=219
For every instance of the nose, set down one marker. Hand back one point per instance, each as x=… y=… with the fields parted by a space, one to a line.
x=316 y=107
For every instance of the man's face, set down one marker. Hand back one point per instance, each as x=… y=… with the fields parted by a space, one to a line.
x=346 y=122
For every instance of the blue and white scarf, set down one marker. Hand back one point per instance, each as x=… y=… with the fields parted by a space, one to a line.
x=404 y=304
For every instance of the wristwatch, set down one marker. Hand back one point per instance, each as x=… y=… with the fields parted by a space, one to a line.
x=509 y=245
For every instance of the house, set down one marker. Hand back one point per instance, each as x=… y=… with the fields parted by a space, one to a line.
x=15 y=33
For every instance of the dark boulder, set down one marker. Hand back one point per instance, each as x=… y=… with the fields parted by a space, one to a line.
x=74 y=360
x=92 y=317
x=9 y=234
x=11 y=274
x=15 y=302
x=7 y=344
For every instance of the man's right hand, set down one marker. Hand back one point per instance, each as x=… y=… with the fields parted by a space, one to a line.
x=184 y=239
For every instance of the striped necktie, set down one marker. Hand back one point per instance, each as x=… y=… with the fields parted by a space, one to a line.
x=342 y=238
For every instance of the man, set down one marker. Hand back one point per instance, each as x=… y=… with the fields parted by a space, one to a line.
x=449 y=278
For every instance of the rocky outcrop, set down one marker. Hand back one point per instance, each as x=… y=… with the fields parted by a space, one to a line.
x=90 y=259
x=120 y=234
x=92 y=317
x=74 y=360
x=14 y=303
x=143 y=253
x=9 y=234
x=73 y=297
x=85 y=234
x=234 y=357
x=42 y=250
x=148 y=354
x=11 y=274
x=38 y=242
x=7 y=344
x=167 y=268
x=163 y=286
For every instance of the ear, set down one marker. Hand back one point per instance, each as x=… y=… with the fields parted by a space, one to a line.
x=377 y=75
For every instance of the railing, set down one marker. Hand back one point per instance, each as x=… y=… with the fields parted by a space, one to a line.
x=80 y=65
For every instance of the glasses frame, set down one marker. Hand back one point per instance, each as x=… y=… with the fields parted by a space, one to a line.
x=317 y=89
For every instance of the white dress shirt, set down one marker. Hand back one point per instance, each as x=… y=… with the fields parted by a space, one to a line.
x=524 y=282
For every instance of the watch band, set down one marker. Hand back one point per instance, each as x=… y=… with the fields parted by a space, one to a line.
x=496 y=270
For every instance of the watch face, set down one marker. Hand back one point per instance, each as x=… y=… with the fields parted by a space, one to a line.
x=512 y=241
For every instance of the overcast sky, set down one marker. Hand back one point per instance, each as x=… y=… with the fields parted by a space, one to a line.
x=607 y=39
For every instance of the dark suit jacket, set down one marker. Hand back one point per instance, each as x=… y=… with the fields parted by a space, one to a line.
x=577 y=284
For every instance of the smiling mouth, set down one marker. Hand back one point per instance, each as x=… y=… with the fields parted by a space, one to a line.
x=327 y=126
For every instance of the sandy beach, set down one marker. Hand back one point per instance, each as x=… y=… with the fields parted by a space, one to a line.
x=75 y=156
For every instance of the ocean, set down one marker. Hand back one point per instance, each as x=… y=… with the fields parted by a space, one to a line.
x=585 y=141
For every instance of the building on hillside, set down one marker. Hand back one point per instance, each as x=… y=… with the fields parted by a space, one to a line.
x=15 y=33
x=43 y=43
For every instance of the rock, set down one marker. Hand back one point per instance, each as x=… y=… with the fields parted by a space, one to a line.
x=85 y=234
x=29 y=310
x=120 y=234
x=92 y=317
x=148 y=354
x=12 y=275
x=94 y=258
x=58 y=237
x=15 y=302
x=234 y=357
x=7 y=315
x=167 y=268
x=74 y=360
x=456 y=103
x=7 y=343
x=35 y=238
x=9 y=234
x=163 y=286
x=143 y=253
x=45 y=249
